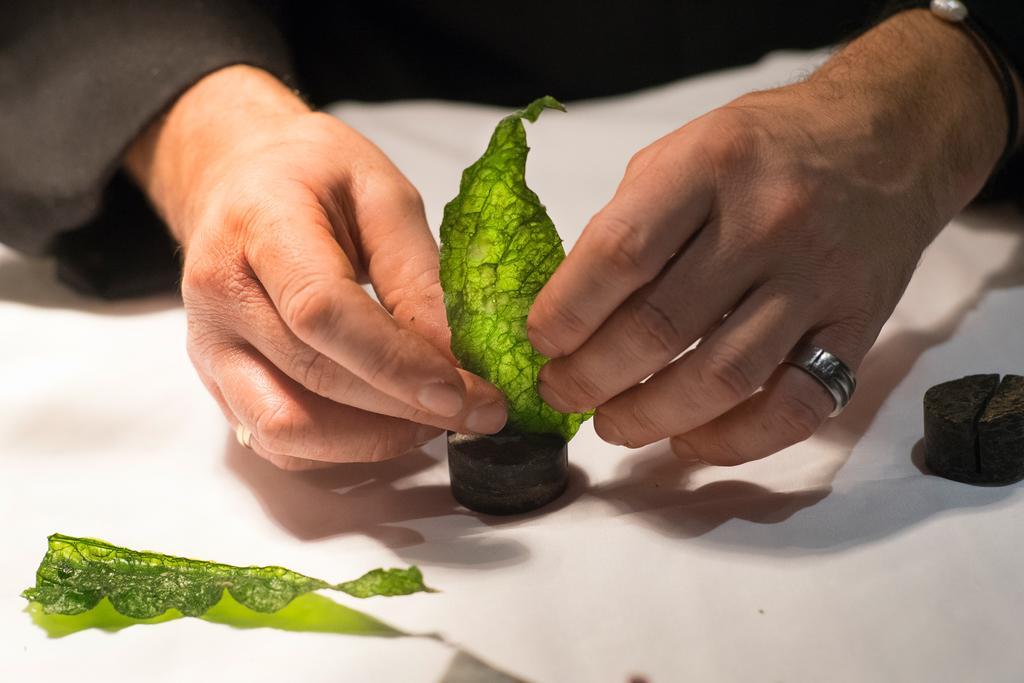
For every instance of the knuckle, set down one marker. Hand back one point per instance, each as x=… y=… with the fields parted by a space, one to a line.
x=642 y=425
x=638 y=161
x=727 y=453
x=215 y=278
x=580 y=389
x=728 y=373
x=194 y=281
x=784 y=224
x=277 y=426
x=390 y=188
x=321 y=121
x=624 y=250
x=200 y=278
x=559 y=320
x=384 y=360
x=420 y=286
x=790 y=218
x=654 y=330
x=315 y=128
x=408 y=198
x=257 y=209
x=734 y=139
x=393 y=190
x=722 y=450
x=309 y=309
x=797 y=418
x=645 y=421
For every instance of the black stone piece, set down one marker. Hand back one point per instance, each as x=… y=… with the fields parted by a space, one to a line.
x=974 y=429
x=1001 y=433
x=507 y=473
x=951 y=412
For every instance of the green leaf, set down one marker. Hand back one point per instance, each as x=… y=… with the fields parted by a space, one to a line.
x=309 y=613
x=385 y=582
x=498 y=248
x=77 y=573
x=77 y=570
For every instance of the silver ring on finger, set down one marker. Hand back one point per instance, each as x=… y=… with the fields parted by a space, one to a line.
x=832 y=373
x=243 y=435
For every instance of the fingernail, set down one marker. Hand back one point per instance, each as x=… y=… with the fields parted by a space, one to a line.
x=552 y=398
x=440 y=398
x=607 y=430
x=543 y=344
x=486 y=419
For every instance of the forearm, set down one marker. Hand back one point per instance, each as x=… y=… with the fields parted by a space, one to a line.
x=182 y=149
x=926 y=89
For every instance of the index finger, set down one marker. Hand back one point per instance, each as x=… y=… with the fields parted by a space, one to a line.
x=312 y=284
x=401 y=259
x=654 y=211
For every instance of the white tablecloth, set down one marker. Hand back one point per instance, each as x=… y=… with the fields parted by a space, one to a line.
x=835 y=560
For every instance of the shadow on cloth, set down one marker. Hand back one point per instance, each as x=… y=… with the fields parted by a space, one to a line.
x=370 y=499
x=655 y=488
x=655 y=483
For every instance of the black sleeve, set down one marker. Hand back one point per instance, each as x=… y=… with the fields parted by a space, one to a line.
x=79 y=80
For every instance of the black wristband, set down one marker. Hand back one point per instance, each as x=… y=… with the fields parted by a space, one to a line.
x=1004 y=74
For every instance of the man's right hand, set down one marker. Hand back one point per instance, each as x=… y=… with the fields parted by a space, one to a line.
x=281 y=213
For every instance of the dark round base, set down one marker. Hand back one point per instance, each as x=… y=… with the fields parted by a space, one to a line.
x=974 y=429
x=507 y=473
